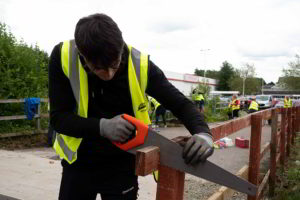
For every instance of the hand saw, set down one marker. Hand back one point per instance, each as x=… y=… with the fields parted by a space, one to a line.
x=170 y=156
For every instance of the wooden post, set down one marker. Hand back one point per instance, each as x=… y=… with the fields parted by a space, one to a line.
x=38 y=120
x=170 y=184
x=293 y=124
x=282 y=137
x=254 y=158
x=297 y=119
x=274 y=131
x=289 y=131
x=146 y=161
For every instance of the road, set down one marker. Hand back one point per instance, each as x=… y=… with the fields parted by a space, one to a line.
x=31 y=174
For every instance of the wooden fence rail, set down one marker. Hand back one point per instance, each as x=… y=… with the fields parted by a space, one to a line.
x=171 y=181
x=279 y=132
x=283 y=133
x=37 y=116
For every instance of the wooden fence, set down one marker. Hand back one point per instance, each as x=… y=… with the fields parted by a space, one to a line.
x=283 y=132
x=171 y=181
x=37 y=117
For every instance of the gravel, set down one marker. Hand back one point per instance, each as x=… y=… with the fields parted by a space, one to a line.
x=202 y=190
x=196 y=189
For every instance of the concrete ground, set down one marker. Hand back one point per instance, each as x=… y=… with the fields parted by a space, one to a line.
x=32 y=175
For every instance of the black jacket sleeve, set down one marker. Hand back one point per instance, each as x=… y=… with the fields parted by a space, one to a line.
x=63 y=104
x=172 y=99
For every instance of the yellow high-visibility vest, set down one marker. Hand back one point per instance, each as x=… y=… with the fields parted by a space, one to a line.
x=199 y=97
x=66 y=146
x=155 y=103
x=253 y=105
x=233 y=106
x=287 y=103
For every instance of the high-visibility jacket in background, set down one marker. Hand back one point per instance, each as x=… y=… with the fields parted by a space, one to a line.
x=234 y=105
x=66 y=146
x=288 y=103
x=199 y=97
x=253 y=106
x=155 y=103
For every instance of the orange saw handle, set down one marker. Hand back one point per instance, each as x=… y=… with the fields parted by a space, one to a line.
x=140 y=134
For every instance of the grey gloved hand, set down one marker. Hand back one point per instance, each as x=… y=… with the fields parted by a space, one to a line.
x=198 y=148
x=116 y=129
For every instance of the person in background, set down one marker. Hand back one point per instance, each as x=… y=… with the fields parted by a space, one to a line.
x=234 y=108
x=93 y=81
x=253 y=105
x=159 y=110
x=197 y=97
x=287 y=103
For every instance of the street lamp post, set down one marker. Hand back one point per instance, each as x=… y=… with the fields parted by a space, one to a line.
x=204 y=62
x=262 y=87
x=244 y=79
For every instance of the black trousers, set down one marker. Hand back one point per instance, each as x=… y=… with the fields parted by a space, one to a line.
x=160 y=111
x=233 y=114
x=86 y=184
x=252 y=111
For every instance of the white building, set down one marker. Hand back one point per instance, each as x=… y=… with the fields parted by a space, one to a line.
x=186 y=82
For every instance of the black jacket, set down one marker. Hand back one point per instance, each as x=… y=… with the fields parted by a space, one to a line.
x=108 y=99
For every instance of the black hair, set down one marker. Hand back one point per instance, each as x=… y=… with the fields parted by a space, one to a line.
x=99 y=39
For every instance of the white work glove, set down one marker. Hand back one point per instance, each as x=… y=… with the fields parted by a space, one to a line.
x=198 y=148
x=116 y=129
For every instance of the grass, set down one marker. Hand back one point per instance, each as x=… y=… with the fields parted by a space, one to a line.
x=288 y=184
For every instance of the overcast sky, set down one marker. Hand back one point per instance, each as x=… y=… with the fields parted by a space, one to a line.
x=179 y=35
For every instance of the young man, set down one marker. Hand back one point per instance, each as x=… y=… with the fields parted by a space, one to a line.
x=92 y=82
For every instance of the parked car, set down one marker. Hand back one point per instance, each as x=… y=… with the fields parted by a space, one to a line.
x=264 y=101
x=279 y=104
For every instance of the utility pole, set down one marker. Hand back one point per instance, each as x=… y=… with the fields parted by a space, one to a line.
x=244 y=79
x=204 y=62
x=262 y=86
x=244 y=76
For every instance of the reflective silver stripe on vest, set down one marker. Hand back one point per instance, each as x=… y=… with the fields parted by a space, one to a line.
x=74 y=70
x=136 y=60
x=68 y=152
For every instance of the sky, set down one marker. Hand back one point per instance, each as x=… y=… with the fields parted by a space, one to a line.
x=179 y=36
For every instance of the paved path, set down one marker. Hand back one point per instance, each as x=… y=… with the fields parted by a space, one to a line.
x=31 y=175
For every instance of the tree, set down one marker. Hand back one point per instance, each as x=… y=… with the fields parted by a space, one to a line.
x=225 y=74
x=252 y=85
x=245 y=82
x=246 y=72
x=214 y=74
x=203 y=88
x=23 y=73
x=23 y=68
x=291 y=78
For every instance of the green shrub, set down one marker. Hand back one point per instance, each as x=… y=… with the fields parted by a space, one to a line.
x=23 y=73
